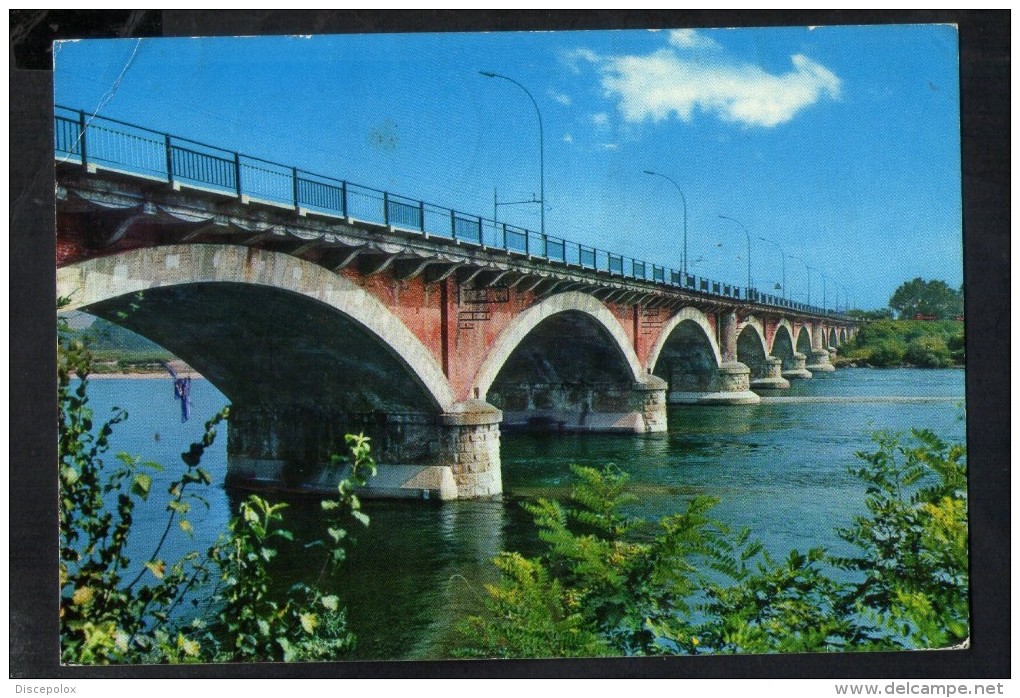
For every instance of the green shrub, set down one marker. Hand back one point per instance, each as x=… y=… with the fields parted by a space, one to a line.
x=957 y=345
x=928 y=352
x=110 y=614
x=887 y=352
x=608 y=583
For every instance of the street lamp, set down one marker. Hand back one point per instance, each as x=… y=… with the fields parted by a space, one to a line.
x=496 y=203
x=684 y=199
x=809 y=270
x=748 y=247
x=782 y=258
x=541 y=142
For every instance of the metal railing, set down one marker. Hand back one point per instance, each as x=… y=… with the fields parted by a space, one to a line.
x=101 y=142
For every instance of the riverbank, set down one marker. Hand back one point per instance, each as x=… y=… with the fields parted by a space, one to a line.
x=905 y=344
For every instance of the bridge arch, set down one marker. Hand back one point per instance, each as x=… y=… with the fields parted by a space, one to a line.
x=689 y=315
x=782 y=343
x=686 y=354
x=833 y=337
x=803 y=340
x=326 y=295
x=571 y=302
x=752 y=350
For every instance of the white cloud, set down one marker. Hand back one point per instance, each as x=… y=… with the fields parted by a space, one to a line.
x=561 y=98
x=691 y=39
x=601 y=119
x=574 y=58
x=663 y=84
x=567 y=138
x=609 y=146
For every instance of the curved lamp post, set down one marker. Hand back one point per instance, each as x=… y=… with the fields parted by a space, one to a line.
x=684 y=199
x=782 y=259
x=541 y=142
x=748 y=247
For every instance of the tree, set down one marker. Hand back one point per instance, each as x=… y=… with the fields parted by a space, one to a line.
x=931 y=298
x=880 y=314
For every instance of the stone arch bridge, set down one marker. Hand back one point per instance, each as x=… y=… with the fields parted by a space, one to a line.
x=316 y=325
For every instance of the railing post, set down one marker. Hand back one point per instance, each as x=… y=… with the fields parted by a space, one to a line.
x=343 y=198
x=421 y=215
x=453 y=224
x=169 y=159
x=81 y=139
x=237 y=173
x=545 y=245
x=481 y=233
x=386 y=208
x=506 y=247
x=527 y=241
x=293 y=172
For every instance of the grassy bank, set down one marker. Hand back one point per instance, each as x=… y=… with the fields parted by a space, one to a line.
x=118 y=350
x=887 y=343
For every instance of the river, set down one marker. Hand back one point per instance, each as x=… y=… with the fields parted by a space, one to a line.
x=779 y=468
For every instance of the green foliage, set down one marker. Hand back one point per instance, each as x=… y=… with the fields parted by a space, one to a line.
x=912 y=542
x=609 y=583
x=622 y=580
x=957 y=346
x=535 y=617
x=109 y=616
x=932 y=298
x=879 y=314
x=116 y=349
x=887 y=352
x=928 y=352
x=887 y=343
x=787 y=607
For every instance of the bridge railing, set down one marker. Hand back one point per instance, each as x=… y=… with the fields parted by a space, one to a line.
x=100 y=142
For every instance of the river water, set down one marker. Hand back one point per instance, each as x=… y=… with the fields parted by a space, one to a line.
x=779 y=468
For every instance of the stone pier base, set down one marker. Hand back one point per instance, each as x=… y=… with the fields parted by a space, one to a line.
x=820 y=362
x=772 y=377
x=470 y=443
x=795 y=368
x=732 y=388
x=636 y=408
x=454 y=455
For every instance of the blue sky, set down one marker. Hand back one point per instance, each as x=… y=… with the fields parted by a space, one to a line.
x=840 y=144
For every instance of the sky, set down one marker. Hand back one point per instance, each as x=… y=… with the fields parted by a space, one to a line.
x=835 y=148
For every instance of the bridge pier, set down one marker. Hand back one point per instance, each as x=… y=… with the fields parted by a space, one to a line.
x=470 y=447
x=772 y=376
x=796 y=367
x=454 y=455
x=819 y=358
x=635 y=408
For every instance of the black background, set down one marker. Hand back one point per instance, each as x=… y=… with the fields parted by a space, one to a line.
x=984 y=73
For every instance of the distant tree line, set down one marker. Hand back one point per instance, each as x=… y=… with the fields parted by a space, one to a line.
x=920 y=327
